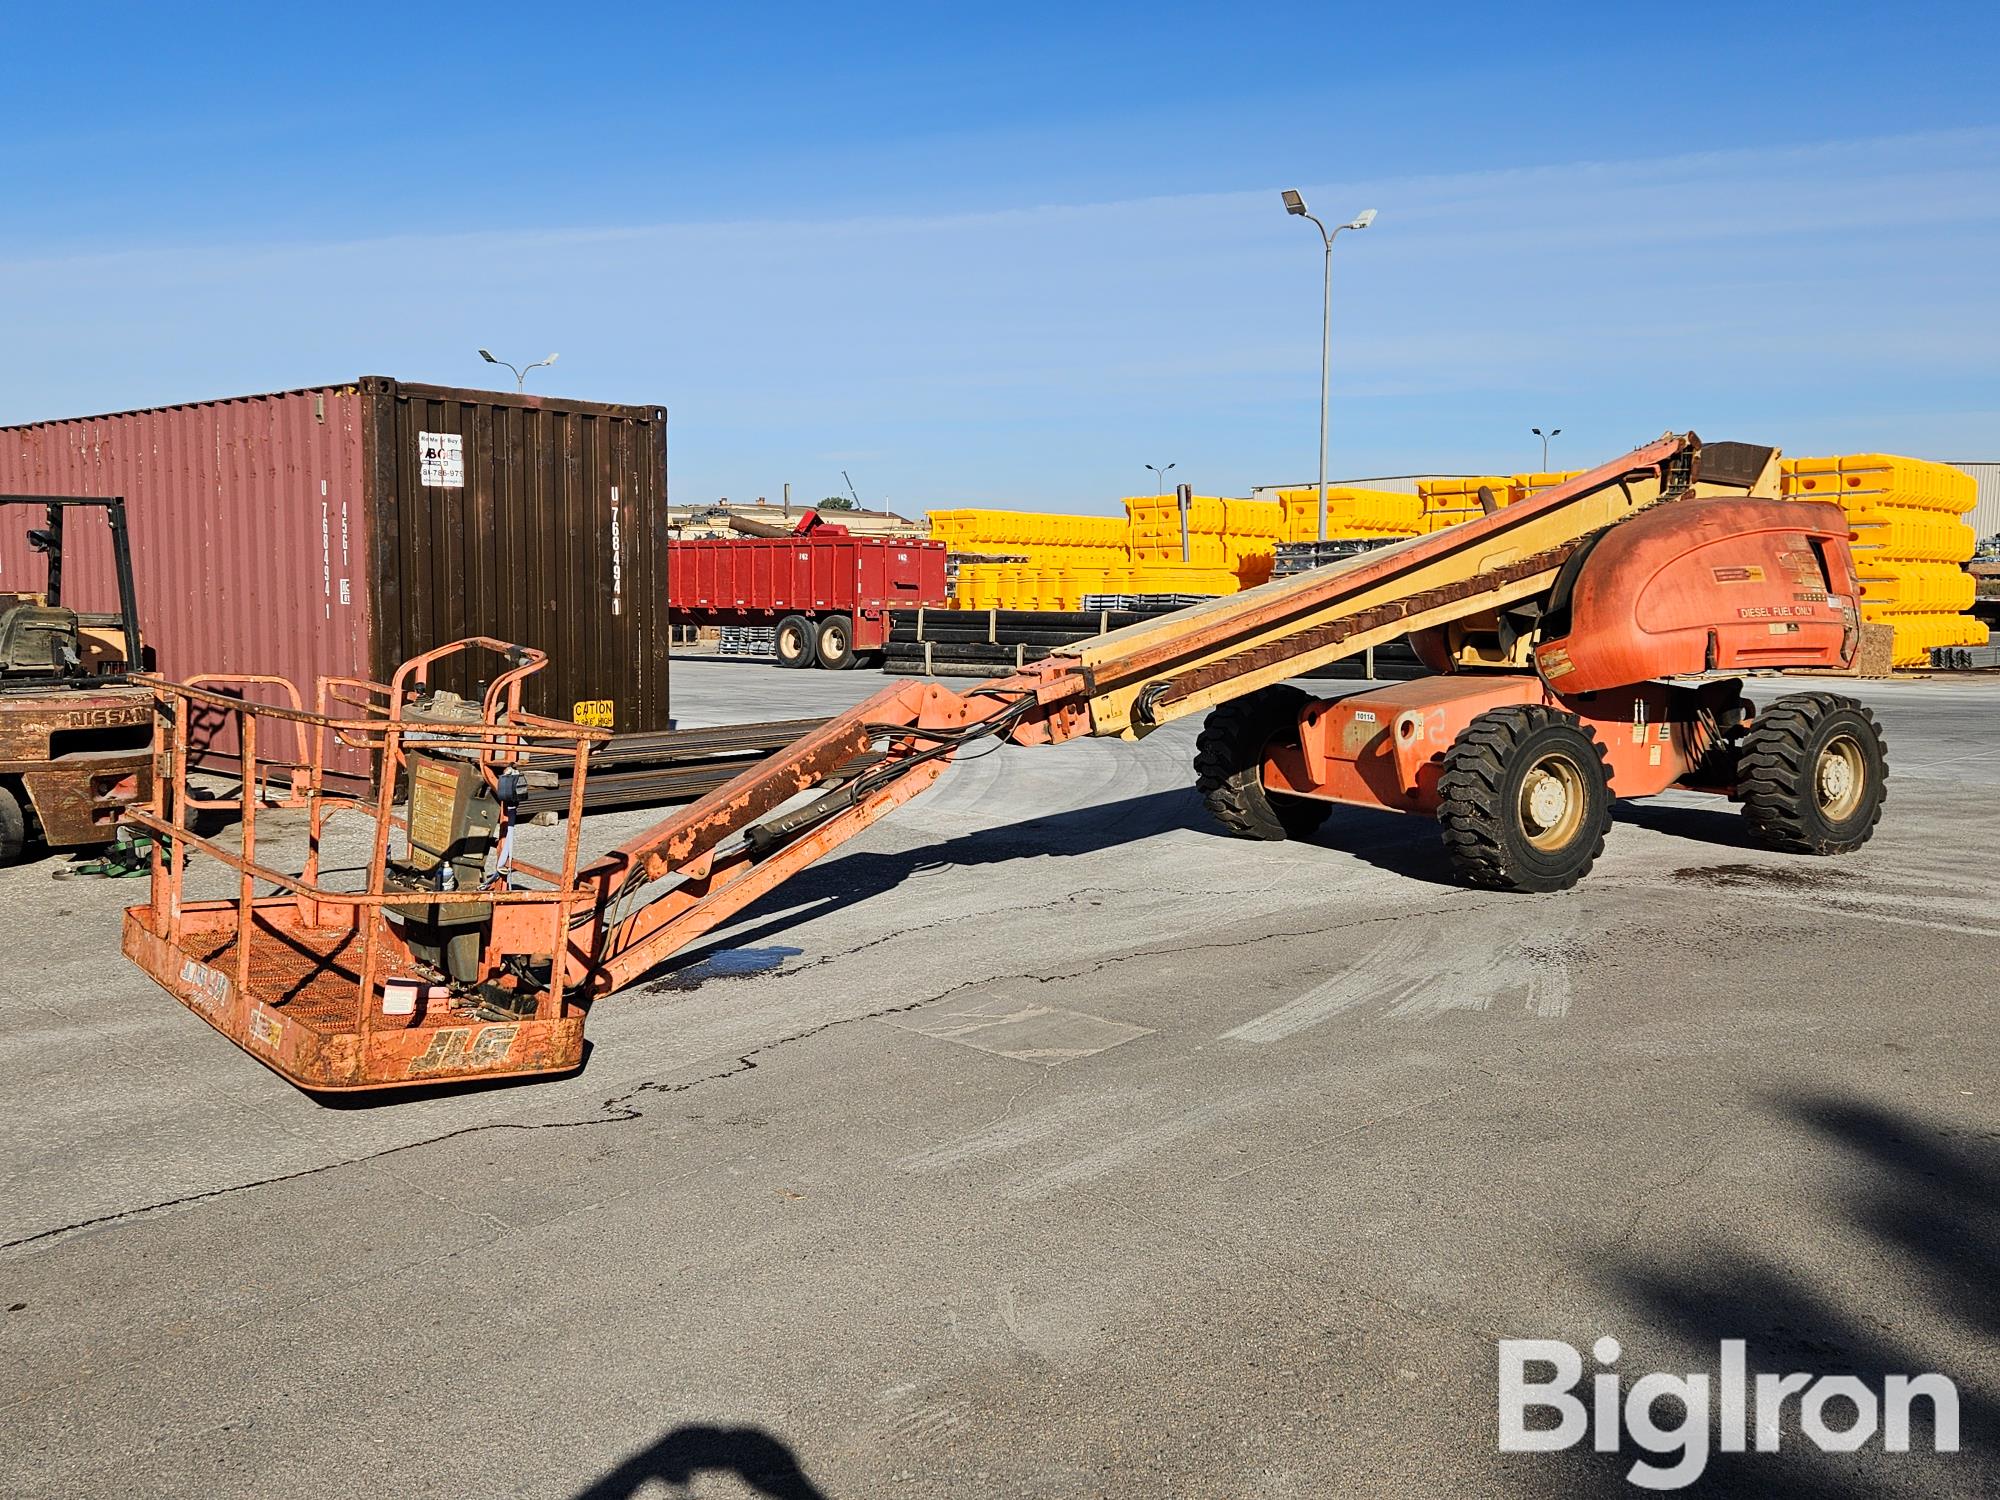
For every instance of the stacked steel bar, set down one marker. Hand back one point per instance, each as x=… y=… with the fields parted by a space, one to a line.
x=975 y=643
x=674 y=765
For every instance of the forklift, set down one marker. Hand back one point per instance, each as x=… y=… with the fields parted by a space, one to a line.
x=76 y=731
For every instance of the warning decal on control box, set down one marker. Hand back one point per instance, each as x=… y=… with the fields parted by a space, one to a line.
x=593 y=713
x=441 y=460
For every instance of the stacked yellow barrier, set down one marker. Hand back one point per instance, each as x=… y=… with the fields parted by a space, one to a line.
x=1061 y=557
x=1908 y=543
x=1252 y=530
x=1033 y=586
x=1522 y=486
x=1053 y=541
x=1351 y=513
x=1183 y=578
x=1154 y=529
x=1450 y=502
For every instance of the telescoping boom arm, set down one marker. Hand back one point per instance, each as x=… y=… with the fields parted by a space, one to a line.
x=727 y=851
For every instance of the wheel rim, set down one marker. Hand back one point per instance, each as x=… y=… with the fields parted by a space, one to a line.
x=791 y=642
x=1551 y=802
x=836 y=641
x=1840 y=776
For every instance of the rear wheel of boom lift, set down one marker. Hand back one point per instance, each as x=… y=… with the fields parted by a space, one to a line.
x=1524 y=799
x=1813 y=774
x=1229 y=767
x=13 y=826
x=836 y=643
x=797 y=642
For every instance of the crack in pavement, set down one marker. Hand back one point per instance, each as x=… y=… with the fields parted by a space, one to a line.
x=618 y=1109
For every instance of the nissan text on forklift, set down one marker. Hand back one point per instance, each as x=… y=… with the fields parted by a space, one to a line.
x=76 y=732
x=1584 y=646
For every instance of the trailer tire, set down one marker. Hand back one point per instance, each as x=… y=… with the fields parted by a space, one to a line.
x=1229 y=767
x=796 y=642
x=1813 y=774
x=836 y=643
x=13 y=826
x=1524 y=799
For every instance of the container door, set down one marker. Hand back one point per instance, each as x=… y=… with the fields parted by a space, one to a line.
x=537 y=522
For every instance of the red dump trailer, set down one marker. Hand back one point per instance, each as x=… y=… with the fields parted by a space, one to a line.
x=827 y=593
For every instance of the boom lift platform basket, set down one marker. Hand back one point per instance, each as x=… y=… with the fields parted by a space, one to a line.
x=340 y=988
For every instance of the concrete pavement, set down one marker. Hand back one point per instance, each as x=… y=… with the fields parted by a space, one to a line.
x=1051 y=1145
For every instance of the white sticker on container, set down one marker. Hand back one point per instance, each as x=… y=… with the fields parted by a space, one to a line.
x=617 y=563
x=441 y=459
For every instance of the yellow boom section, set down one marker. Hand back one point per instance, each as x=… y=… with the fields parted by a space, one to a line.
x=1148 y=674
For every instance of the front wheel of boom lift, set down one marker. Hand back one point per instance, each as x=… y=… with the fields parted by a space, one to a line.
x=1524 y=799
x=1813 y=774
x=1229 y=767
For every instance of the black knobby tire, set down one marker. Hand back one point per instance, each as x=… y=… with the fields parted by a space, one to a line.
x=1813 y=774
x=797 y=642
x=1229 y=767
x=836 y=643
x=13 y=826
x=1524 y=799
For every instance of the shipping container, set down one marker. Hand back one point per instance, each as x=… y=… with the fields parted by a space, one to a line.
x=339 y=530
x=827 y=594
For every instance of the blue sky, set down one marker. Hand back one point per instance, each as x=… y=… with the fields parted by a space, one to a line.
x=1011 y=255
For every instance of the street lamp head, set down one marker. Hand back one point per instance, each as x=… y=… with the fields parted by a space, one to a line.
x=485 y=355
x=550 y=360
x=1536 y=431
x=1363 y=219
x=1294 y=202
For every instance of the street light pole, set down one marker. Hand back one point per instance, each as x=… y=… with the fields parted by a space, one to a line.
x=1545 y=436
x=1296 y=204
x=1160 y=478
x=520 y=371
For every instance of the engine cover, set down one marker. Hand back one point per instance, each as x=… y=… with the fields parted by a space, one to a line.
x=1703 y=585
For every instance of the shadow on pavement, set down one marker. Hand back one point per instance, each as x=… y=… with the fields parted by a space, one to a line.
x=1720 y=826
x=835 y=884
x=763 y=1462
x=1395 y=842
x=1928 y=1198
x=1400 y=843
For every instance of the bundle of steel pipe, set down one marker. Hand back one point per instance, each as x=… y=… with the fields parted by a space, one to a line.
x=673 y=765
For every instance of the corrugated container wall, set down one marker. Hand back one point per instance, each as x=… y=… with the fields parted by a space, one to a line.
x=1984 y=518
x=553 y=535
x=249 y=542
x=338 y=530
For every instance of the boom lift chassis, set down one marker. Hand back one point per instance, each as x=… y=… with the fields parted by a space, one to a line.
x=1577 y=640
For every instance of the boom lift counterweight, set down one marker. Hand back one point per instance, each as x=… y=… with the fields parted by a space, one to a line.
x=1576 y=639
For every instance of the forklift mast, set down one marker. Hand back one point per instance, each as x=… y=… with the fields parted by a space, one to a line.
x=27 y=620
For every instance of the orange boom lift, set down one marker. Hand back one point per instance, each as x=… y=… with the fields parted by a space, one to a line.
x=1581 y=643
